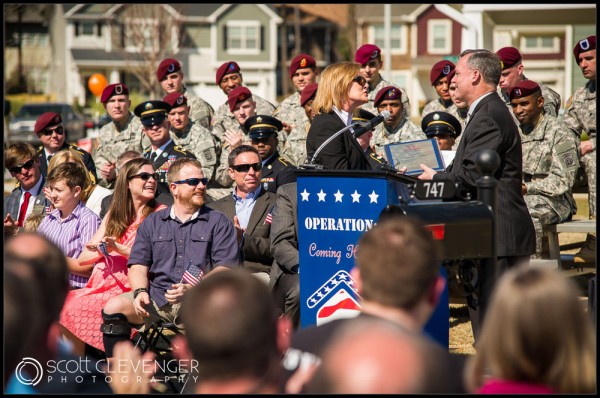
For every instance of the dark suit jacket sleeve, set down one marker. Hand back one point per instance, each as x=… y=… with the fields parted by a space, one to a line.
x=89 y=164
x=284 y=231
x=333 y=155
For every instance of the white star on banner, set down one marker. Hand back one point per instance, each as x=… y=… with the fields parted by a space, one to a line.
x=305 y=195
x=321 y=196
x=373 y=197
x=338 y=196
x=355 y=197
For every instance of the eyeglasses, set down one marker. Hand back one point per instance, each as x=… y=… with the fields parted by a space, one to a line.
x=244 y=168
x=27 y=165
x=360 y=80
x=59 y=130
x=145 y=176
x=193 y=181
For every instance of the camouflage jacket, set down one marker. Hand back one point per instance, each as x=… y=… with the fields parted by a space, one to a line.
x=200 y=110
x=290 y=111
x=435 y=106
x=224 y=119
x=370 y=106
x=113 y=141
x=461 y=115
x=550 y=162
x=294 y=149
x=199 y=141
x=404 y=131
x=580 y=114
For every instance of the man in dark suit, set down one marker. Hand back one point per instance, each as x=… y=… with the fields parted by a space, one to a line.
x=276 y=170
x=490 y=126
x=51 y=132
x=163 y=151
x=250 y=208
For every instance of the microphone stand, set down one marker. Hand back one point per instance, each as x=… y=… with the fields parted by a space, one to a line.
x=311 y=164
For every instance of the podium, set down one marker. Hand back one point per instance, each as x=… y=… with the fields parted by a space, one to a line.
x=335 y=207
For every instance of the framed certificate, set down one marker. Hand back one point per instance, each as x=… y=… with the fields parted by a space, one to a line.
x=414 y=153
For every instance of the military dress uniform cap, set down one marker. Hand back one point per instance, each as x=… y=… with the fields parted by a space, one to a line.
x=366 y=52
x=440 y=69
x=46 y=120
x=301 y=61
x=237 y=95
x=175 y=100
x=388 y=93
x=509 y=56
x=167 y=65
x=362 y=115
x=587 y=44
x=113 y=89
x=308 y=92
x=225 y=69
x=262 y=126
x=524 y=89
x=440 y=123
x=152 y=112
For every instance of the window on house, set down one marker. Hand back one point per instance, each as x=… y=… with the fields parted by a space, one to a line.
x=38 y=80
x=439 y=36
x=243 y=37
x=398 y=37
x=536 y=44
x=140 y=34
x=30 y=39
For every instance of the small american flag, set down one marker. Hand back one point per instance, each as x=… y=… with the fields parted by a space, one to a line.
x=269 y=218
x=192 y=275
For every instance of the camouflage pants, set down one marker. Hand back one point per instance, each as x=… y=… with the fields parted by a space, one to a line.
x=589 y=163
x=541 y=214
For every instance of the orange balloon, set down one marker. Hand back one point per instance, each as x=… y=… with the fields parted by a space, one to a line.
x=96 y=83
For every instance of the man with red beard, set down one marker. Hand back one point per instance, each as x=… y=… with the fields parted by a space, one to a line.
x=174 y=248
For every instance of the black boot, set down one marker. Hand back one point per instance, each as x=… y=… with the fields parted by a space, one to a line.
x=115 y=328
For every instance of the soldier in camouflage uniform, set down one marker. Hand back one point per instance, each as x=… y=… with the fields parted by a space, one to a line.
x=163 y=151
x=549 y=160
x=512 y=73
x=580 y=117
x=123 y=133
x=170 y=77
x=303 y=71
x=192 y=136
x=295 y=146
x=229 y=77
x=441 y=83
x=397 y=128
x=369 y=58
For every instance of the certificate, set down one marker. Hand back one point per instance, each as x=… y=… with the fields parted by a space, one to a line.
x=414 y=153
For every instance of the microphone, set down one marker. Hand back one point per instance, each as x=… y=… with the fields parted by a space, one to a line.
x=370 y=125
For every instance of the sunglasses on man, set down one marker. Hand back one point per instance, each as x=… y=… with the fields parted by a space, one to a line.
x=192 y=181
x=27 y=165
x=48 y=132
x=244 y=168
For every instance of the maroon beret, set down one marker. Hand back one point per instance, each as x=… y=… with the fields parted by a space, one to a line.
x=388 y=93
x=168 y=65
x=451 y=75
x=225 y=69
x=440 y=69
x=308 y=92
x=524 y=89
x=509 y=56
x=237 y=95
x=113 y=89
x=301 y=61
x=367 y=52
x=175 y=100
x=45 y=120
x=587 y=44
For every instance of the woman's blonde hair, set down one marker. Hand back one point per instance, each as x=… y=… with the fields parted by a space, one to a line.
x=536 y=331
x=70 y=155
x=333 y=86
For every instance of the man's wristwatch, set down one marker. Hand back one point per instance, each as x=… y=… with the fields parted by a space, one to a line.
x=138 y=291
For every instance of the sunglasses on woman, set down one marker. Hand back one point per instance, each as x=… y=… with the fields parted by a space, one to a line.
x=244 y=168
x=361 y=80
x=193 y=181
x=59 y=130
x=145 y=176
x=27 y=165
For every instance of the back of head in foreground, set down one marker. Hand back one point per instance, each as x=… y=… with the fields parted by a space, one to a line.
x=232 y=326
x=536 y=331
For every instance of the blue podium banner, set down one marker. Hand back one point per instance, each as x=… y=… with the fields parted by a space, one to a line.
x=333 y=212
